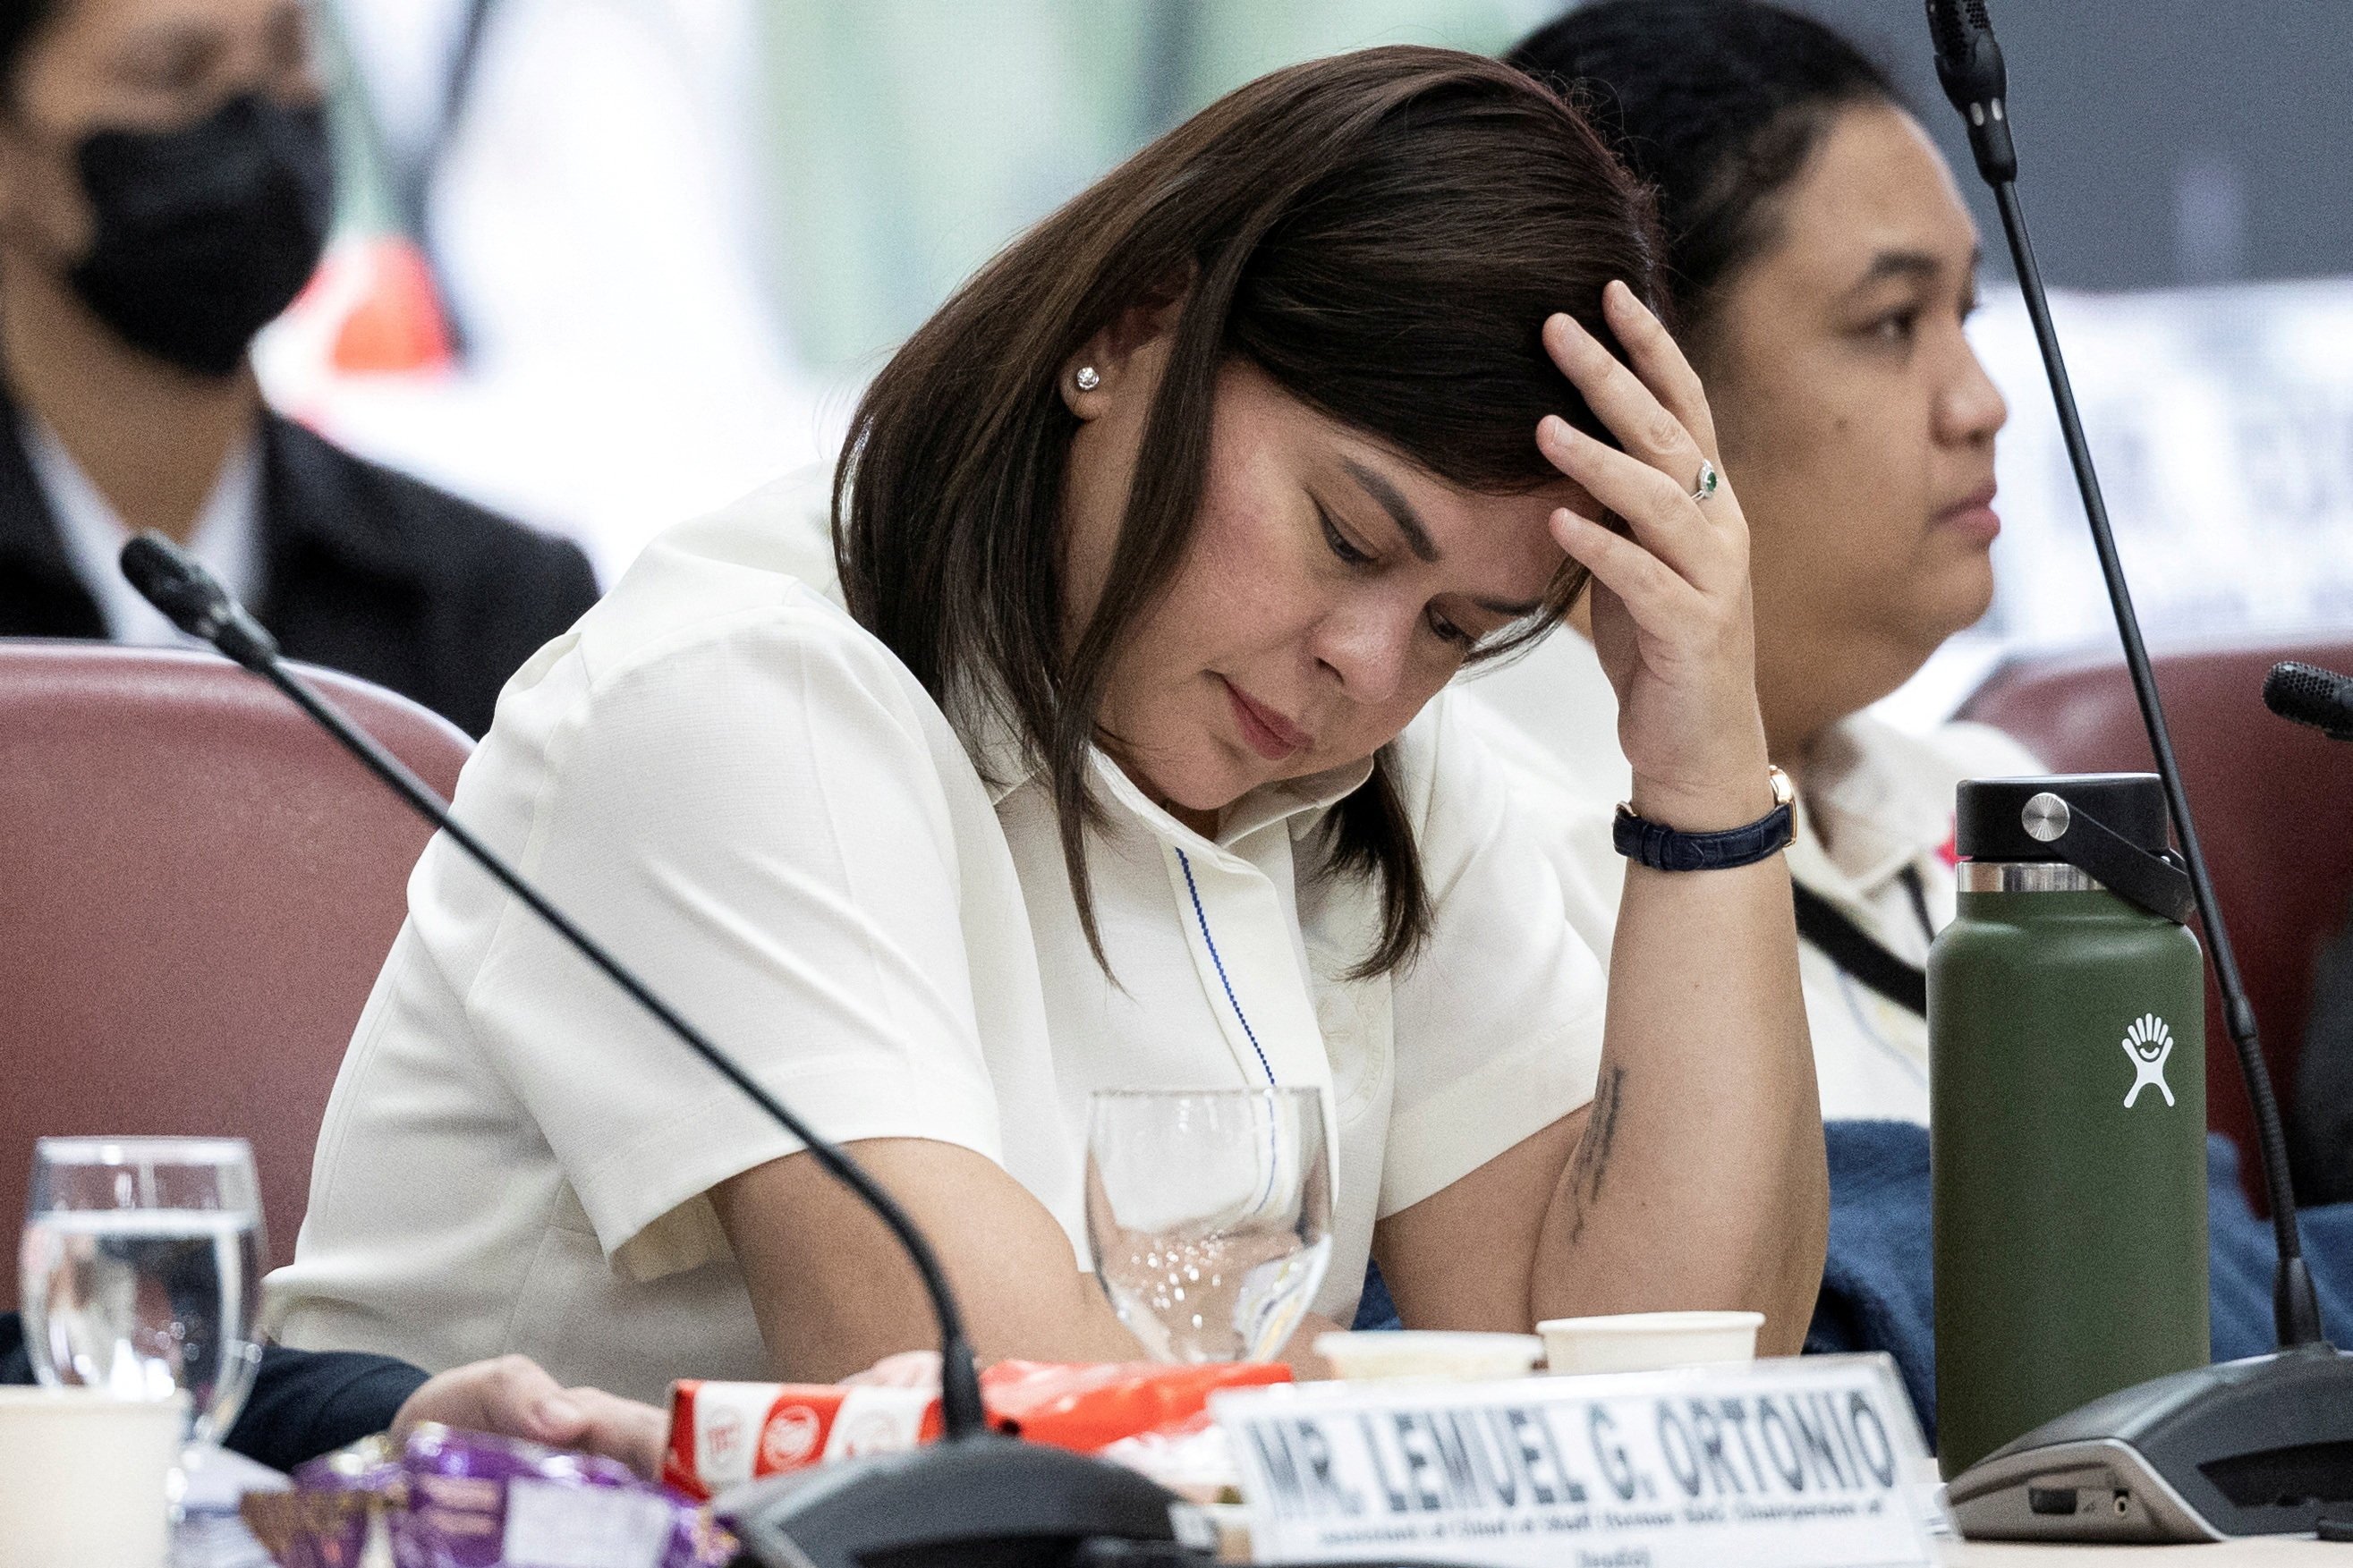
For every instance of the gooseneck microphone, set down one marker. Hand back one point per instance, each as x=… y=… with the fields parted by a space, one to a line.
x=2307 y=694
x=1969 y=64
x=933 y=1505
x=177 y=584
x=2276 y=1429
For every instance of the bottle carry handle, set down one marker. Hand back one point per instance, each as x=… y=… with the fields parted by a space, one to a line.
x=2153 y=882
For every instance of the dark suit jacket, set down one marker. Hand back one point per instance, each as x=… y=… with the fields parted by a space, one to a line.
x=363 y=570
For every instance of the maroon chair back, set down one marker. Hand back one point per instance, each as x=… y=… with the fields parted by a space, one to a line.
x=197 y=889
x=2273 y=803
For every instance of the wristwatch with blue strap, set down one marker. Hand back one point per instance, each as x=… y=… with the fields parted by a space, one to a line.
x=1663 y=848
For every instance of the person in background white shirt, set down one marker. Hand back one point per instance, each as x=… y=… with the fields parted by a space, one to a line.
x=1823 y=265
x=1156 y=543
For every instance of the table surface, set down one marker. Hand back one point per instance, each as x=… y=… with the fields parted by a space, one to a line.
x=2261 y=1553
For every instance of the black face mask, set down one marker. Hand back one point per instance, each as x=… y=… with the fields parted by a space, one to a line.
x=205 y=234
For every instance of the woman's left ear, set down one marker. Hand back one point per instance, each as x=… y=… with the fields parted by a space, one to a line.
x=1112 y=362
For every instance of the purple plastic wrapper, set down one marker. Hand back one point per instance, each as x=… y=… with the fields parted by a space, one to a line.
x=370 y=1465
x=466 y=1500
x=337 y=1515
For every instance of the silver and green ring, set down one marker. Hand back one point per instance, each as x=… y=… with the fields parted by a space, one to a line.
x=1708 y=481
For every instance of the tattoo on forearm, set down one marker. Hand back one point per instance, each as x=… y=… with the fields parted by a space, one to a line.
x=1590 y=1163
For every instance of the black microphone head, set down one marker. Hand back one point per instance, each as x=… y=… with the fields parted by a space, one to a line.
x=191 y=598
x=1968 y=62
x=2307 y=694
x=175 y=583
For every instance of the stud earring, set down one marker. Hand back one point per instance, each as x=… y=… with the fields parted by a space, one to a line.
x=1087 y=378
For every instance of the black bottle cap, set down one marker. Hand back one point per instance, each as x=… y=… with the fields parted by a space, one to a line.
x=1990 y=815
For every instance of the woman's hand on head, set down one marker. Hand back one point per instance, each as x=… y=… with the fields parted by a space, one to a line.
x=1671 y=618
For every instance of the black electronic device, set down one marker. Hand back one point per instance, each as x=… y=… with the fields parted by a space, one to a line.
x=2307 y=694
x=974 y=1498
x=2288 y=1416
x=2260 y=1446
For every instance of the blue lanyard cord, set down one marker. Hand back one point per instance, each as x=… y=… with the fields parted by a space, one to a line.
x=1274 y=1145
x=1212 y=943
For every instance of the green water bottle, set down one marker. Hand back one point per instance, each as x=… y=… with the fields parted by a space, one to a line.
x=2067 y=1063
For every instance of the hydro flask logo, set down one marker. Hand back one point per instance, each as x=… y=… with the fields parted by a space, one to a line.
x=2150 y=1045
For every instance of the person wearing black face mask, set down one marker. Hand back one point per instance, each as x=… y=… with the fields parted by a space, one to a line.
x=167 y=184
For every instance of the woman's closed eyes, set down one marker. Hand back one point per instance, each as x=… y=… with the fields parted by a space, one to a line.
x=1445 y=630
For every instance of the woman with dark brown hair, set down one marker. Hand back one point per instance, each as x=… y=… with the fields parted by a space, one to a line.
x=1124 y=770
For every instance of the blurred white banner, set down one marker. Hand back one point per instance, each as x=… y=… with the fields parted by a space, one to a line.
x=598 y=218
x=2222 y=423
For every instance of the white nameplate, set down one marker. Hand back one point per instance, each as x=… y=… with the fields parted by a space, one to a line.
x=1812 y=1461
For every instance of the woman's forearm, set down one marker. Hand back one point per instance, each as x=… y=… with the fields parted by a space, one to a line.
x=1698 y=1179
x=834 y=1292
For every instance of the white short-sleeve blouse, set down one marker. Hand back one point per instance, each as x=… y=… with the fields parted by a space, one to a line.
x=743 y=795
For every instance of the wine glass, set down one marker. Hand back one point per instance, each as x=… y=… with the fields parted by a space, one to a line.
x=138 y=1272
x=1209 y=1214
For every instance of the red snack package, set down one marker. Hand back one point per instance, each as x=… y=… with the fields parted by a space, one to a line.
x=1086 y=1406
x=722 y=1434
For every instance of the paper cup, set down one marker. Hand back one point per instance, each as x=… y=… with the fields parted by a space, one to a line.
x=1456 y=1358
x=1648 y=1342
x=82 y=1477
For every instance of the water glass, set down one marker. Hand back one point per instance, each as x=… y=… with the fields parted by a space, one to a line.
x=1209 y=1214
x=140 y=1270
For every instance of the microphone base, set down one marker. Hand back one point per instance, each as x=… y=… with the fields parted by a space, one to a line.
x=2260 y=1446
x=989 y=1500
